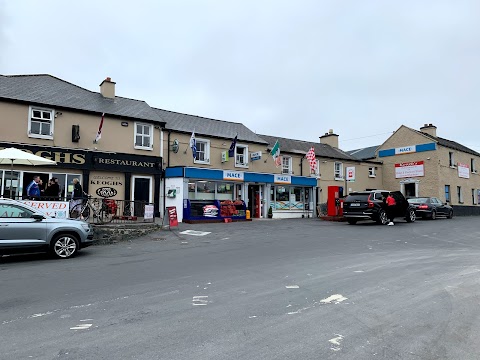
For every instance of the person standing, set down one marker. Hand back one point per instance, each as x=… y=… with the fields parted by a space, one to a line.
x=77 y=197
x=52 y=190
x=33 y=190
x=390 y=208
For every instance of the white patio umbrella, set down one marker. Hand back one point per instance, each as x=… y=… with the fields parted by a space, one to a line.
x=19 y=157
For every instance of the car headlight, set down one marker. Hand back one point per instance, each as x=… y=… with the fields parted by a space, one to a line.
x=86 y=227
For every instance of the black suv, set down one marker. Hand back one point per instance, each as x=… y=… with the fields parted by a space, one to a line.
x=371 y=205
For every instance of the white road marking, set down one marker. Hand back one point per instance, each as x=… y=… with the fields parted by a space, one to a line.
x=252 y=317
x=336 y=342
x=81 y=327
x=200 y=300
x=292 y=287
x=359 y=271
x=184 y=242
x=337 y=298
x=195 y=233
x=86 y=320
x=40 y=314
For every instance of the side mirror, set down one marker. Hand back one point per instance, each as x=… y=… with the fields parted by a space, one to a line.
x=38 y=217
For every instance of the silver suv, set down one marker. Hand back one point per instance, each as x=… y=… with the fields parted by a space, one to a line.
x=24 y=229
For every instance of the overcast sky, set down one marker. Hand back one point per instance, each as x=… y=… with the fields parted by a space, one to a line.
x=285 y=68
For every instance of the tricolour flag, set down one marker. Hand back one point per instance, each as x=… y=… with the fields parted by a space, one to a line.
x=311 y=159
x=275 y=152
x=99 y=132
x=231 y=151
x=193 y=145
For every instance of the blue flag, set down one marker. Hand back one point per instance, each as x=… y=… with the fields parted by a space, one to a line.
x=231 y=151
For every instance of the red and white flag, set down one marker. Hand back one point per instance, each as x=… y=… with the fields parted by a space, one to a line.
x=311 y=159
x=99 y=133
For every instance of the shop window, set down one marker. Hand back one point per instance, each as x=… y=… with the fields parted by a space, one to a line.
x=459 y=194
x=451 y=159
x=289 y=198
x=225 y=191
x=447 y=193
x=338 y=170
x=371 y=172
x=143 y=136
x=205 y=190
x=241 y=155
x=286 y=165
x=203 y=151
x=40 y=123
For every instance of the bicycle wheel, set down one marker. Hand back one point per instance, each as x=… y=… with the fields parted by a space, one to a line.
x=85 y=213
x=74 y=212
x=107 y=213
x=96 y=210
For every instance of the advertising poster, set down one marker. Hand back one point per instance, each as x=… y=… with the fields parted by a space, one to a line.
x=463 y=171
x=58 y=209
x=409 y=169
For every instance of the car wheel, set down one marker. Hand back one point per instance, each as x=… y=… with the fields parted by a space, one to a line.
x=64 y=246
x=411 y=216
x=434 y=215
x=382 y=217
x=352 y=221
x=450 y=214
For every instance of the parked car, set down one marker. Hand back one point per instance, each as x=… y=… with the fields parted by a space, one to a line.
x=431 y=207
x=24 y=229
x=370 y=205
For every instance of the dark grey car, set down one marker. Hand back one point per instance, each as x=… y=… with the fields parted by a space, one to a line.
x=24 y=229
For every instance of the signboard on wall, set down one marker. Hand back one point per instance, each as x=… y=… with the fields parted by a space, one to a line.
x=463 y=171
x=107 y=185
x=409 y=169
x=282 y=179
x=233 y=175
x=409 y=149
x=224 y=156
x=256 y=155
x=350 y=173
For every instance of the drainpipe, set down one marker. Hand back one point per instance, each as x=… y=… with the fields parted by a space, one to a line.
x=301 y=166
x=164 y=178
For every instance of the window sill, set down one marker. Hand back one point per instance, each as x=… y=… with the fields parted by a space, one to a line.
x=372 y=176
x=453 y=167
x=339 y=179
x=241 y=166
x=201 y=162
x=143 y=148
x=36 y=136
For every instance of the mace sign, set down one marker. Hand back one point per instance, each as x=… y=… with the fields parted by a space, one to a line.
x=233 y=175
x=409 y=169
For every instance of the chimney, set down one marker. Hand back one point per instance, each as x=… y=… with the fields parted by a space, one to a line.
x=330 y=139
x=107 y=88
x=429 y=129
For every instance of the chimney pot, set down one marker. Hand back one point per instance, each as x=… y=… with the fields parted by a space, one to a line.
x=108 y=78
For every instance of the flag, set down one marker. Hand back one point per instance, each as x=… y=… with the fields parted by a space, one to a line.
x=193 y=145
x=99 y=133
x=231 y=151
x=275 y=152
x=311 y=159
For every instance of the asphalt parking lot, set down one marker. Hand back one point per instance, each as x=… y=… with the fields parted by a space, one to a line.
x=268 y=289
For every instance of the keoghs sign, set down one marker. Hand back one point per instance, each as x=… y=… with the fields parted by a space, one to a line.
x=409 y=169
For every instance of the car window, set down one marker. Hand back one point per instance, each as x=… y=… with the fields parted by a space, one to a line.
x=418 y=200
x=357 y=197
x=435 y=200
x=8 y=211
x=378 y=196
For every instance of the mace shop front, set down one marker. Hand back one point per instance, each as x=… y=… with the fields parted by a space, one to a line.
x=103 y=175
x=206 y=194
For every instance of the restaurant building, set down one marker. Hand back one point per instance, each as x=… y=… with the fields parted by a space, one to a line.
x=58 y=120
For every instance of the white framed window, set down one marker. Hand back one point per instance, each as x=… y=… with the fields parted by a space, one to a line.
x=371 y=172
x=241 y=155
x=338 y=170
x=473 y=165
x=143 y=136
x=40 y=122
x=474 y=197
x=286 y=164
x=460 y=194
x=451 y=159
x=203 y=151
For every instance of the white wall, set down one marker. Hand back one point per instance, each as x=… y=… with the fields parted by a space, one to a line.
x=177 y=184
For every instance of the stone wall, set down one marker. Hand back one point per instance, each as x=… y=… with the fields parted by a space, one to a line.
x=109 y=234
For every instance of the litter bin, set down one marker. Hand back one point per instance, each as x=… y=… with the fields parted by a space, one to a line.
x=247 y=214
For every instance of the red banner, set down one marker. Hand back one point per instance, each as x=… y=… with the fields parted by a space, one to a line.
x=172 y=215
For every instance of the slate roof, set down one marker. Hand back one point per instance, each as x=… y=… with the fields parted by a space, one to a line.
x=449 y=143
x=367 y=153
x=209 y=127
x=301 y=147
x=48 y=90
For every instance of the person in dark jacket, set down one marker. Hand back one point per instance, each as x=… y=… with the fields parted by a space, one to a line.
x=52 y=190
x=77 y=198
x=33 y=190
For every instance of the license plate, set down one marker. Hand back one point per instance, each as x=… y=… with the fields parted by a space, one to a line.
x=354 y=204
